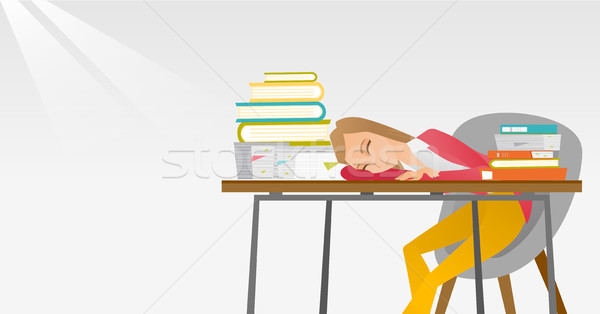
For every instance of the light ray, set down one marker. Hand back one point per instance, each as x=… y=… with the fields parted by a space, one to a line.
x=78 y=107
x=158 y=92
x=25 y=126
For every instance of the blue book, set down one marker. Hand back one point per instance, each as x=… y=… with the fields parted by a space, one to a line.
x=280 y=111
x=528 y=129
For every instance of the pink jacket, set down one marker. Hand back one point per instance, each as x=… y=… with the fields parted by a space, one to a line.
x=449 y=148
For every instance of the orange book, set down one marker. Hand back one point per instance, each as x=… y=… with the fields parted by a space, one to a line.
x=523 y=173
x=286 y=92
x=519 y=154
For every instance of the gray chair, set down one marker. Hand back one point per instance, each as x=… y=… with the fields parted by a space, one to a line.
x=478 y=133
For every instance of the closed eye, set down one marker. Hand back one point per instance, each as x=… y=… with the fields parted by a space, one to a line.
x=361 y=167
x=362 y=145
x=368 y=144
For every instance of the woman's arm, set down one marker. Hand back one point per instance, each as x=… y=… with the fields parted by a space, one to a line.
x=408 y=157
x=417 y=175
x=453 y=149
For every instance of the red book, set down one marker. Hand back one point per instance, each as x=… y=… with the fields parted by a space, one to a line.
x=519 y=154
x=523 y=173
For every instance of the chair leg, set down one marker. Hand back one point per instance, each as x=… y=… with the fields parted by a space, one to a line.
x=445 y=296
x=541 y=261
x=507 y=294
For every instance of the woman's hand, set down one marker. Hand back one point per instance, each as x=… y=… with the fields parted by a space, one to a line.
x=409 y=175
x=417 y=175
x=430 y=172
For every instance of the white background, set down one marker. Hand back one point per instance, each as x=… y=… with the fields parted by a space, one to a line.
x=95 y=96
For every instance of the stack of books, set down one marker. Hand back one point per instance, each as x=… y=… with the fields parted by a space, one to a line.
x=525 y=152
x=282 y=132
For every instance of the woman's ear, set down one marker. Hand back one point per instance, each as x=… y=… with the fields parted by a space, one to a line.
x=398 y=166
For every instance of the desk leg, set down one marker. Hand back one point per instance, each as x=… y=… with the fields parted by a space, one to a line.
x=477 y=253
x=253 y=258
x=325 y=269
x=550 y=260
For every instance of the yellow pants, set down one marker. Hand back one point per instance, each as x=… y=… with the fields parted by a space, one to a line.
x=499 y=224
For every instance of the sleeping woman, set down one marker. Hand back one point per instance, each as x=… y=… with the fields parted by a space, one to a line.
x=372 y=150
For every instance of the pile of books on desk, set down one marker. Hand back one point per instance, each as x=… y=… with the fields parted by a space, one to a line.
x=525 y=152
x=282 y=133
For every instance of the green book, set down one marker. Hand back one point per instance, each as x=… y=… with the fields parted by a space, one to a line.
x=295 y=133
x=280 y=77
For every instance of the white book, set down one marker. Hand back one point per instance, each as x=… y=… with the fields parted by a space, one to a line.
x=542 y=154
x=528 y=141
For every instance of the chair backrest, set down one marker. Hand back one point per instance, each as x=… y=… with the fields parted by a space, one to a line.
x=478 y=133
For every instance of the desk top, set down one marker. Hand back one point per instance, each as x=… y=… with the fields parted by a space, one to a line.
x=316 y=186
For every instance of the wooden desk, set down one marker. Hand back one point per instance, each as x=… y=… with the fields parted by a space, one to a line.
x=429 y=191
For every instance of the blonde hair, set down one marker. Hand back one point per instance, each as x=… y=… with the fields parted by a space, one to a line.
x=355 y=125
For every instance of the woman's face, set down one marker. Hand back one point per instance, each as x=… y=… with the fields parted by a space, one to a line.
x=372 y=152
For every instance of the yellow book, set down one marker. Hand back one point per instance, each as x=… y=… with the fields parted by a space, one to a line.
x=286 y=92
x=525 y=163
